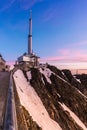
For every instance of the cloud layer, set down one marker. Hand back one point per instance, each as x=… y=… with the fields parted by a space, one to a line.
x=68 y=55
x=24 y=4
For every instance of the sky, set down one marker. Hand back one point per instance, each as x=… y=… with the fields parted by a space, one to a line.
x=59 y=30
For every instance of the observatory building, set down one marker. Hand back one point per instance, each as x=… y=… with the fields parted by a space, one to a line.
x=2 y=63
x=29 y=59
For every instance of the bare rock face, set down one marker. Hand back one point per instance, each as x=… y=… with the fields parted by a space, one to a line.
x=72 y=80
x=82 y=85
x=58 y=92
x=61 y=97
x=57 y=71
x=30 y=123
x=71 y=97
x=83 y=79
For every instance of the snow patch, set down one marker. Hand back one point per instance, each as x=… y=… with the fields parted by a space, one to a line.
x=42 y=80
x=29 y=75
x=31 y=101
x=58 y=95
x=78 y=80
x=82 y=94
x=47 y=73
x=62 y=73
x=74 y=116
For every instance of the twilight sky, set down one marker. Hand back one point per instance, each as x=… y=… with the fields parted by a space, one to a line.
x=59 y=30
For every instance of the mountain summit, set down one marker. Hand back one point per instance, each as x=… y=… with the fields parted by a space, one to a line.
x=51 y=99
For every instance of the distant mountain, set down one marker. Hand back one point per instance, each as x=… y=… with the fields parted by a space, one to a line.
x=52 y=99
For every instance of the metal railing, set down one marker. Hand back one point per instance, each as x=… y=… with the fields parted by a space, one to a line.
x=10 y=116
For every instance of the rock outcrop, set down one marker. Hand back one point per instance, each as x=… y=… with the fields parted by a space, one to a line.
x=61 y=95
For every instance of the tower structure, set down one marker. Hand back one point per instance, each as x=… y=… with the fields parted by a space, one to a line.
x=30 y=35
x=29 y=59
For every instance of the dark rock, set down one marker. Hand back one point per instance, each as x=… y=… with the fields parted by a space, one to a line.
x=57 y=72
x=72 y=80
x=71 y=97
x=49 y=94
x=62 y=89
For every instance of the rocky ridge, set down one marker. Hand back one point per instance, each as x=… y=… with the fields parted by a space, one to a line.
x=61 y=94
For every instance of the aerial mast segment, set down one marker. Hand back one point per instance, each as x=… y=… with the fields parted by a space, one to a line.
x=30 y=34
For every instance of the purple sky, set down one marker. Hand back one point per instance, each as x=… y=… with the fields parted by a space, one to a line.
x=59 y=30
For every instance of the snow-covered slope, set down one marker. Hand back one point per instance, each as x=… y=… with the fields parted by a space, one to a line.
x=51 y=100
x=31 y=101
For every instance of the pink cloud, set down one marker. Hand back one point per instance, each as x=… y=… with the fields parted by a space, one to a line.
x=72 y=53
x=57 y=58
x=64 y=51
x=81 y=43
x=67 y=55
